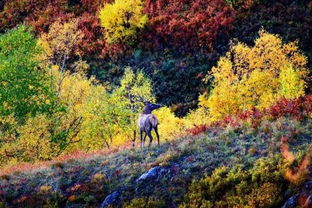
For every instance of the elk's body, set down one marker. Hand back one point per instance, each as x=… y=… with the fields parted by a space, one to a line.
x=147 y=122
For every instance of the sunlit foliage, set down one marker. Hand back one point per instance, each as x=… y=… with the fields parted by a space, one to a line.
x=256 y=76
x=170 y=126
x=129 y=98
x=24 y=86
x=62 y=43
x=35 y=140
x=122 y=20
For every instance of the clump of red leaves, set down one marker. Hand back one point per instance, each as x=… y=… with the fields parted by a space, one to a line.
x=197 y=129
x=299 y=109
x=186 y=24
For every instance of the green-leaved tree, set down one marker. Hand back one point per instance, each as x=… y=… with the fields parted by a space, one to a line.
x=24 y=86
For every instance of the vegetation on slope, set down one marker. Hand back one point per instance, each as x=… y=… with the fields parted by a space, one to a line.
x=74 y=73
x=230 y=157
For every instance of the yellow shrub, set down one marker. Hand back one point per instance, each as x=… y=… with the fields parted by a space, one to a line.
x=170 y=126
x=291 y=82
x=256 y=76
x=122 y=20
x=196 y=117
x=35 y=139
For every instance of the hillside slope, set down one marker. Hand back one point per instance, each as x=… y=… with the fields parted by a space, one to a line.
x=162 y=176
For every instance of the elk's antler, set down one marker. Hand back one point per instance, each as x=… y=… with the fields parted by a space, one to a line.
x=137 y=98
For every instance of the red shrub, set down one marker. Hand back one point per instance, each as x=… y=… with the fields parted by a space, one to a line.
x=285 y=107
x=38 y=13
x=299 y=108
x=186 y=24
x=197 y=129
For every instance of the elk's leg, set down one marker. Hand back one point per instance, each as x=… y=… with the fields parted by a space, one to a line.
x=141 y=138
x=134 y=138
x=144 y=138
x=157 y=135
x=149 y=134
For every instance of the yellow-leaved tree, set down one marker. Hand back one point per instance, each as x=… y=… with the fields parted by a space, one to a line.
x=122 y=20
x=256 y=76
x=61 y=42
x=61 y=48
x=129 y=97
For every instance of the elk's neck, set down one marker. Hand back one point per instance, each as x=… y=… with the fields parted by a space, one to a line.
x=147 y=112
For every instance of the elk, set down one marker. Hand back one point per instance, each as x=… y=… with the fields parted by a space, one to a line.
x=147 y=122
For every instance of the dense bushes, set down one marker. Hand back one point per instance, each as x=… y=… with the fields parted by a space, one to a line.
x=189 y=27
x=257 y=76
x=299 y=109
x=40 y=14
x=171 y=31
x=261 y=186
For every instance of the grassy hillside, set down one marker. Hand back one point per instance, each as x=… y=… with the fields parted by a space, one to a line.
x=175 y=170
x=229 y=81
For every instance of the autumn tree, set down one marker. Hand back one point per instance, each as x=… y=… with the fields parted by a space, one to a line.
x=72 y=128
x=62 y=43
x=61 y=47
x=257 y=76
x=122 y=20
x=24 y=86
x=26 y=96
x=94 y=118
x=135 y=88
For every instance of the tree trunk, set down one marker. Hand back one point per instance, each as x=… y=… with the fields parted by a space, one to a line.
x=134 y=138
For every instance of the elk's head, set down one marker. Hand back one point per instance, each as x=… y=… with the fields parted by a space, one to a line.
x=149 y=107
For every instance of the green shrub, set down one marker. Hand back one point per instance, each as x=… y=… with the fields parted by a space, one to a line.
x=261 y=186
x=145 y=203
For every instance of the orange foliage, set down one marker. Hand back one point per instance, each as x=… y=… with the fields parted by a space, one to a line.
x=298 y=174
x=286 y=153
